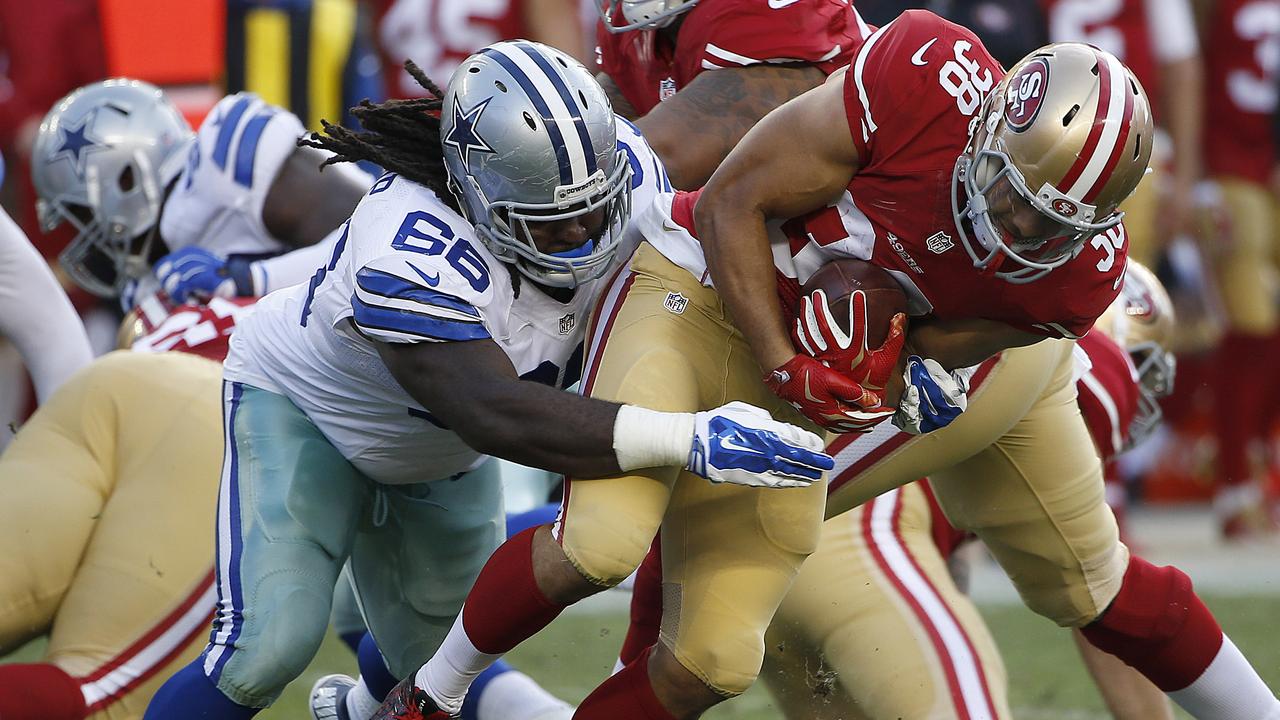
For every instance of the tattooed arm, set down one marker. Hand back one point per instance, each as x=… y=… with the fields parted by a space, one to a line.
x=695 y=129
x=621 y=105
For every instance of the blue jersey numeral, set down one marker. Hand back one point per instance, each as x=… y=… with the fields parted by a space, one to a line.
x=423 y=233
x=318 y=278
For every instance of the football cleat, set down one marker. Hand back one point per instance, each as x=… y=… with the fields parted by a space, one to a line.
x=329 y=697
x=410 y=702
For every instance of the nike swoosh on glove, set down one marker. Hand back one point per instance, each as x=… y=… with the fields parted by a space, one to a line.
x=827 y=397
x=818 y=333
x=933 y=397
x=742 y=444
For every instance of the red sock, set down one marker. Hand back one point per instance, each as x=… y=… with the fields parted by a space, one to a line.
x=646 y=607
x=1239 y=416
x=628 y=695
x=1158 y=626
x=39 y=692
x=506 y=607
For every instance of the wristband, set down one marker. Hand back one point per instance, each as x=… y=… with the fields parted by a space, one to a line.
x=647 y=438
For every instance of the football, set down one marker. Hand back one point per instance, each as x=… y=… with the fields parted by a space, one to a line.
x=840 y=278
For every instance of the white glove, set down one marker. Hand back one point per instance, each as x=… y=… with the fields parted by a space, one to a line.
x=933 y=397
x=741 y=444
x=735 y=443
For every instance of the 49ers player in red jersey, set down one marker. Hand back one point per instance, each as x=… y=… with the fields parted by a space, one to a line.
x=1016 y=240
x=1242 y=57
x=654 y=57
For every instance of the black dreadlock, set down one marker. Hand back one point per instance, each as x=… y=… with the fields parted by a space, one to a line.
x=402 y=136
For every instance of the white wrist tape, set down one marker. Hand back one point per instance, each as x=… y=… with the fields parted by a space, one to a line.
x=647 y=438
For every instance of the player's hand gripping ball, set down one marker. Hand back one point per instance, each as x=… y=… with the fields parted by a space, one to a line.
x=852 y=325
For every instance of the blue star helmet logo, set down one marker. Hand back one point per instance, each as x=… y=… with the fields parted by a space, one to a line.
x=463 y=135
x=76 y=144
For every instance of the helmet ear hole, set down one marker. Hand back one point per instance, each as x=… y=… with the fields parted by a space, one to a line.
x=498 y=84
x=1071 y=114
x=126 y=180
x=528 y=120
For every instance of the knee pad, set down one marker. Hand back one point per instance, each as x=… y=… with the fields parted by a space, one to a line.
x=276 y=647
x=729 y=668
x=1158 y=625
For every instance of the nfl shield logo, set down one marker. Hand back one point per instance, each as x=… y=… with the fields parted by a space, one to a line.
x=666 y=88
x=675 y=302
x=939 y=243
x=567 y=322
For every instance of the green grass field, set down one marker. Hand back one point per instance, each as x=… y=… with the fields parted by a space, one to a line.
x=1046 y=681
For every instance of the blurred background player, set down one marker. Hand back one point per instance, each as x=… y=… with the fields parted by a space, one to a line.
x=439 y=34
x=1242 y=49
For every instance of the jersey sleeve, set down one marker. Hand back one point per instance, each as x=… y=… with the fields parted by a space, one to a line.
x=429 y=287
x=911 y=85
x=238 y=152
x=741 y=33
x=35 y=314
x=1107 y=392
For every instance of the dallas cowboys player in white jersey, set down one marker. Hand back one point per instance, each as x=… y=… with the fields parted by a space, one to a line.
x=228 y=203
x=360 y=406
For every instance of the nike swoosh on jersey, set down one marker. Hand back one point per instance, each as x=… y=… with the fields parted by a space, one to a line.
x=779 y=4
x=669 y=227
x=918 y=58
x=432 y=280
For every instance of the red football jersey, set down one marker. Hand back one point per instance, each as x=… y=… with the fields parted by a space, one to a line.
x=203 y=330
x=439 y=34
x=1107 y=393
x=910 y=94
x=1242 y=52
x=719 y=34
x=1118 y=26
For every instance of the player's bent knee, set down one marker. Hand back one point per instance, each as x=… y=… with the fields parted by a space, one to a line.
x=277 y=647
x=728 y=669
x=1153 y=604
x=608 y=564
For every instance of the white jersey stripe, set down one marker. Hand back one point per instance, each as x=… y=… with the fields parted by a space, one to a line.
x=959 y=653
x=1108 y=404
x=223 y=617
x=720 y=53
x=858 y=64
x=1114 y=115
x=413 y=306
x=562 y=114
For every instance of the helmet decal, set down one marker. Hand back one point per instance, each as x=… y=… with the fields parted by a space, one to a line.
x=76 y=144
x=1065 y=207
x=463 y=135
x=1108 y=136
x=1026 y=94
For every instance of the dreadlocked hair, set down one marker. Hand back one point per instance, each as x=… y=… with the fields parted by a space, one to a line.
x=401 y=136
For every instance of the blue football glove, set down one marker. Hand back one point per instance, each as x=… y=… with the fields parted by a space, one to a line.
x=741 y=444
x=195 y=274
x=933 y=397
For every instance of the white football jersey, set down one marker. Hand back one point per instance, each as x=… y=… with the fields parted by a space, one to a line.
x=410 y=269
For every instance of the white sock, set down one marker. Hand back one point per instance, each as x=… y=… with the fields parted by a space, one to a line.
x=449 y=672
x=516 y=696
x=361 y=704
x=1229 y=689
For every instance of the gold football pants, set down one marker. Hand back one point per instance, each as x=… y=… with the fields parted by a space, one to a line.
x=1017 y=468
x=875 y=627
x=107 y=522
x=662 y=340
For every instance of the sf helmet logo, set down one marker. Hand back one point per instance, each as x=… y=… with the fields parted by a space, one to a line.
x=1065 y=207
x=1026 y=94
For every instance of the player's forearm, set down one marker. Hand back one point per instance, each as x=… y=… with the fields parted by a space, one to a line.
x=1184 y=111
x=291 y=268
x=963 y=343
x=736 y=246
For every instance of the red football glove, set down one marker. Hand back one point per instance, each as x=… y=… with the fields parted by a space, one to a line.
x=817 y=332
x=827 y=397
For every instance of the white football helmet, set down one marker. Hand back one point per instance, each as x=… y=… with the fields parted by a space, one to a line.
x=641 y=14
x=1070 y=130
x=1141 y=321
x=101 y=161
x=528 y=137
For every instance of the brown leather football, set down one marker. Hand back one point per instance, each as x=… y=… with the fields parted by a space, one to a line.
x=840 y=278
